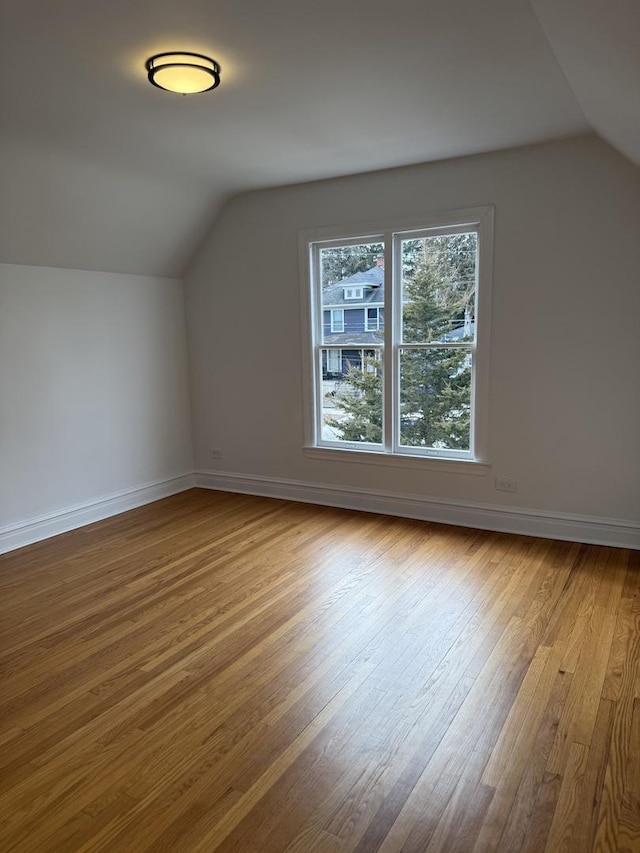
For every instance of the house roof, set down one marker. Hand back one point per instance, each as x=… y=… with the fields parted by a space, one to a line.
x=374 y=277
x=351 y=340
x=372 y=281
x=102 y=171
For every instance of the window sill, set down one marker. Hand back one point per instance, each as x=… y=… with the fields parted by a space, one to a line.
x=396 y=460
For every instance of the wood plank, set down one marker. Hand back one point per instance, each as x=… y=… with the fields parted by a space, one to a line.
x=579 y=715
x=625 y=634
x=575 y=819
x=531 y=810
x=512 y=754
x=622 y=747
x=629 y=825
x=569 y=801
x=525 y=714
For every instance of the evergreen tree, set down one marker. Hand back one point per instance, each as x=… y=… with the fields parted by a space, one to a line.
x=434 y=399
x=435 y=383
x=362 y=402
x=450 y=262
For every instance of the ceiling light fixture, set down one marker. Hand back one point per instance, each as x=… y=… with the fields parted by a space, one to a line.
x=185 y=73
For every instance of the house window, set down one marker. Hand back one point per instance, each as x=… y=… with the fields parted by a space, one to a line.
x=337 y=320
x=334 y=361
x=422 y=393
x=372 y=322
x=353 y=292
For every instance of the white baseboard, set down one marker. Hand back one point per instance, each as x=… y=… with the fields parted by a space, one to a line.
x=34 y=529
x=549 y=525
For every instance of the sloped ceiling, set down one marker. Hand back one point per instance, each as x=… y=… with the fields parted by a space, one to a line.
x=102 y=171
x=597 y=43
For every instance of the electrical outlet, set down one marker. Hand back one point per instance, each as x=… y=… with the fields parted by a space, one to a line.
x=504 y=485
x=215 y=453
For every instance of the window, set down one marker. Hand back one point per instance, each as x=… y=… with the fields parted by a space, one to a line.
x=372 y=322
x=422 y=391
x=353 y=292
x=334 y=361
x=337 y=320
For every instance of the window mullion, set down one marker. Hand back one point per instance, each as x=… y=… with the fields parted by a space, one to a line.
x=317 y=320
x=397 y=335
x=391 y=354
x=388 y=354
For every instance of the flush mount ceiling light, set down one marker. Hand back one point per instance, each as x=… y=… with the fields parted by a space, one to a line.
x=185 y=73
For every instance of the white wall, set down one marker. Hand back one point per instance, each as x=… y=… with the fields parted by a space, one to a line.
x=93 y=387
x=565 y=393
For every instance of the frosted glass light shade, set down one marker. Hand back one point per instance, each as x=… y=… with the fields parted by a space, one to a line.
x=184 y=73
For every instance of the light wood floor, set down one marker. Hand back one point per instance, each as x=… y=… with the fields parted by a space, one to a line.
x=224 y=673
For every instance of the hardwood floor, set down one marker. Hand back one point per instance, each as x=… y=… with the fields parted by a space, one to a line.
x=224 y=673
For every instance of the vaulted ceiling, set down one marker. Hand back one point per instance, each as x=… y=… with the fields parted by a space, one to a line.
x=102 y=171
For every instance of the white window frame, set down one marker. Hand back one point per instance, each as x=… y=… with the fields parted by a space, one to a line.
x=391 y=453
x=337 y=327
x=371 y=326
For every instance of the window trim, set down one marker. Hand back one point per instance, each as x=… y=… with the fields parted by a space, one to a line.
x=480 y=219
